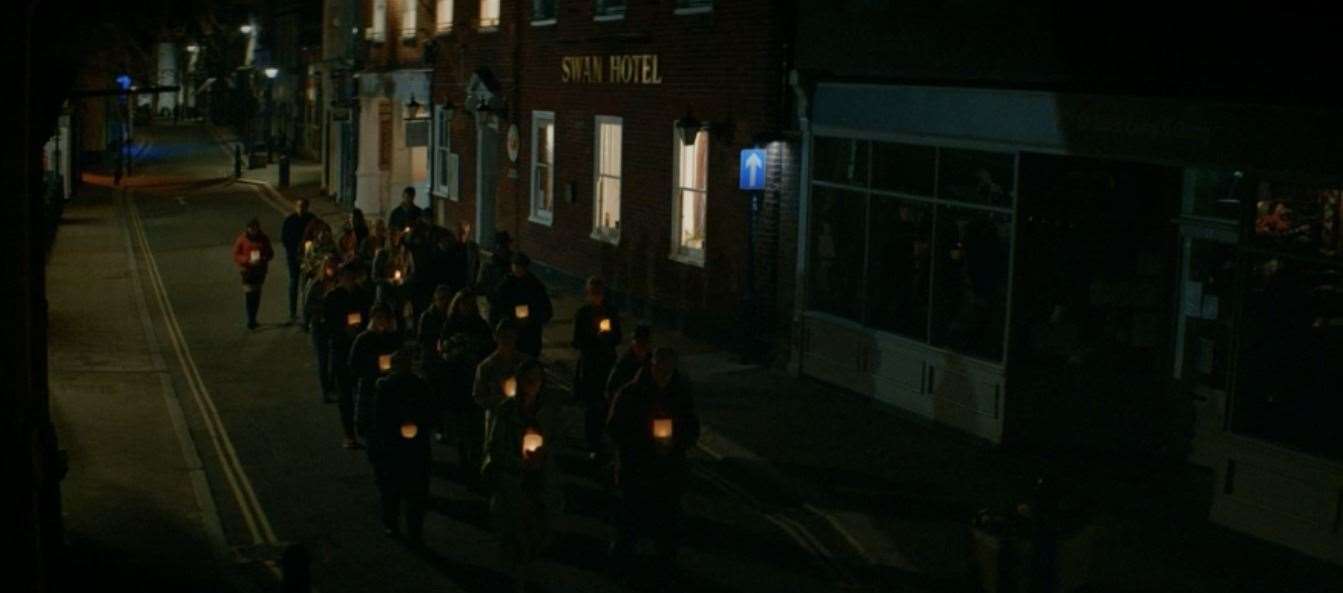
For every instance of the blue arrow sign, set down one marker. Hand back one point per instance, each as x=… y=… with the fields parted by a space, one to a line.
x=752 y=175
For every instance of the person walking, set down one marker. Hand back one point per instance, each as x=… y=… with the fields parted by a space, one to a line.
x=400 y=413
x=346 y=310
x=466 y=342
x=652 y=423
x=495 y=379
x=315 y=323
x=523 y=297
x=519 y=468
x=494 y=272
x=404 y=213
x=291 y=236
x=596 y=336
x=637 y=357
x=252 y=254
x=370 y=359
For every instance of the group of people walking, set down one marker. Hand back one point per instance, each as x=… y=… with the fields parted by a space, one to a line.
x=402 y=347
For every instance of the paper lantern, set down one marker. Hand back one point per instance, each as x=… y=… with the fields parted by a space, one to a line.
x=385 y=362
x=604 y=326
x=396 y=277
x=307 y=247
x=255 y=256
x=354 y=319
x=531 y=441
x=522 y=311
x=662 y=428
x=406 y=231
x=409 y=430
x=510 y=386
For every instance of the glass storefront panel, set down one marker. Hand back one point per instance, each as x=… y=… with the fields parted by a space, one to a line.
x=838 y=251
x=898 y=266
x=976 y=177
x=904 y=168
x=1217 y=193
x=970 y=281
x=840 y=160
x=1209 y=305
x=1299 y=219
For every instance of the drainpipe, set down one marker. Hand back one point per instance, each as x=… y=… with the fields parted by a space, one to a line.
x=802 y=104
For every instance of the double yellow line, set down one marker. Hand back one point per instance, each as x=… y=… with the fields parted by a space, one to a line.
x=258 y=526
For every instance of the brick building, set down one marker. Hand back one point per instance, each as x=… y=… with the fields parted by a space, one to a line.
x=605 y=138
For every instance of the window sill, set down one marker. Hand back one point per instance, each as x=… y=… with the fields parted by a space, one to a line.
x=443 y=31
x=544 y=23
x=606 y=18
x=487 y=29
x=693 y=10
x=542 y=219
x=442 y=195
x=611 y=238
x=695 y=258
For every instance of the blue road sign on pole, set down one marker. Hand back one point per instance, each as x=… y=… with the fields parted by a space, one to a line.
x=752 y=176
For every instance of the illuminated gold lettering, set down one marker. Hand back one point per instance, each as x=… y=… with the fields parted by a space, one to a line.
x=564 y=70
x=657 y=77
x=645 y=69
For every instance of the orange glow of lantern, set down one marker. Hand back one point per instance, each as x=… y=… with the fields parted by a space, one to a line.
x=330 y=271
x=406 y=232
x=510 y=386
x=662 y=428
x=409 y=430
x=604 y=326
x=255 y=256
x=307 y=247
x=354 y=319
x=396 y=277
x=385 y=362
x=522 y=311
x=531 y=441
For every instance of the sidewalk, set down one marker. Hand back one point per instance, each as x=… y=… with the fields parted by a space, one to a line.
x=890 y=497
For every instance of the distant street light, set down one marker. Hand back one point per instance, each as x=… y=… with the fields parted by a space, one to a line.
x=193 y=48
x=245 y=29
x=272 y=72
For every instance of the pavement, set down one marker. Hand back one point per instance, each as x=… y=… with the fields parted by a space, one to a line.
x=797 y=486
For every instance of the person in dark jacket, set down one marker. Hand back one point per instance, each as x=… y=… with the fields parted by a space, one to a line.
x=638 y=356
x=418 y=248
x=596 y=335
x=404 y=213
x=652 y=423
x=371 y=358
x=522 y=297
x=315 y=323
x=428 y=335
x=346 y=310
x=252 y=254
x=466 y=341
x=291 y=236
x=398 y=446
x=494 y=272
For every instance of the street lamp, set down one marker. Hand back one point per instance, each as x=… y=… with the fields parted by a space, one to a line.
x=193 y=48
x=245 y=29
x=271 y=72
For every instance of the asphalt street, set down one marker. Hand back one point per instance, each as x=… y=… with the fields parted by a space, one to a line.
x=271 y=451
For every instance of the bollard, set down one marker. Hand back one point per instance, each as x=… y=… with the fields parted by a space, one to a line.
x=284 y=170
x=237 y=160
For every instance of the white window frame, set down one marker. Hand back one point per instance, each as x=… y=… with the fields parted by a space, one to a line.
x=377 y=29
x=440 y=186
x=487 y=19
x=680 y=252
x=410 y=18
x=546 y=22
x=601 y=18
x=693 y=10
x=443 y=16
x=536 y=213
x=600 y=232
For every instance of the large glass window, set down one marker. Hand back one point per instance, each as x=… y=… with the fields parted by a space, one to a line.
x=543 y=167
x=377 y=29
x=409 y=17
x=608 y=9
x=691 y=193
x=899 y=266
x=543 y=11
x=838 y=251
x=1299 y=219
x=443 y=16
x=443 y=173
x=489 y=14
x=606 y=179
x=970 y=290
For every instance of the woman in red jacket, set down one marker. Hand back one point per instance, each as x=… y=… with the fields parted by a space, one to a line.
x=252 y=253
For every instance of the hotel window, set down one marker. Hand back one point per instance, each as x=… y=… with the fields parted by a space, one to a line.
x=377 y=30
x=409 y=15
x=443 y=16
x=606 y=179
x=489 y=14
x=693 y=6
x=608 y=10
x=690 y=198
x=445 y=170
x=543 y=167
x=543 y=12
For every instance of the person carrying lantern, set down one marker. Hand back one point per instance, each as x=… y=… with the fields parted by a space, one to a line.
x=496 y=376
x=370 y=359
x=523 y=298
x=345 y=310
x=652 y=423
x=519 y=467
x=466 y=342
x=291 y=236
x=400 y=415
x=638 y=356
x=596 y=335
x=315 y=323
x=252 y=254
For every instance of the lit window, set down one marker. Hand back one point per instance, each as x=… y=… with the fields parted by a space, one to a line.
x=693 y=6
x=408 y=18
x=377 y=30
x=543 y=167
x=489 y=14
x=445 y=166
x=609 y=9
x=689 y=200
x=543 y=11
x=606 y=210
x=443 y=16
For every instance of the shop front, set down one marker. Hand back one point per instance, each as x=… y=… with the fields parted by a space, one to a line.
x=1089 y=273
x=393 y=141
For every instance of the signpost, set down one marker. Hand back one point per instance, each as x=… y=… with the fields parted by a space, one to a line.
x=751 y=178
x=752 y=174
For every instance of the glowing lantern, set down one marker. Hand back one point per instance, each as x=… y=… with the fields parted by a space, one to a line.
x=604 y=326
x=531 y=441
x=385 y=362
x=354 y=319
x=522 y=311
x=255 y=256
x=510 y=386
x=409 y=430
x=330 y=272
x=396 y=277
x=662 y=429
x=307 y=247
x=406 y=232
